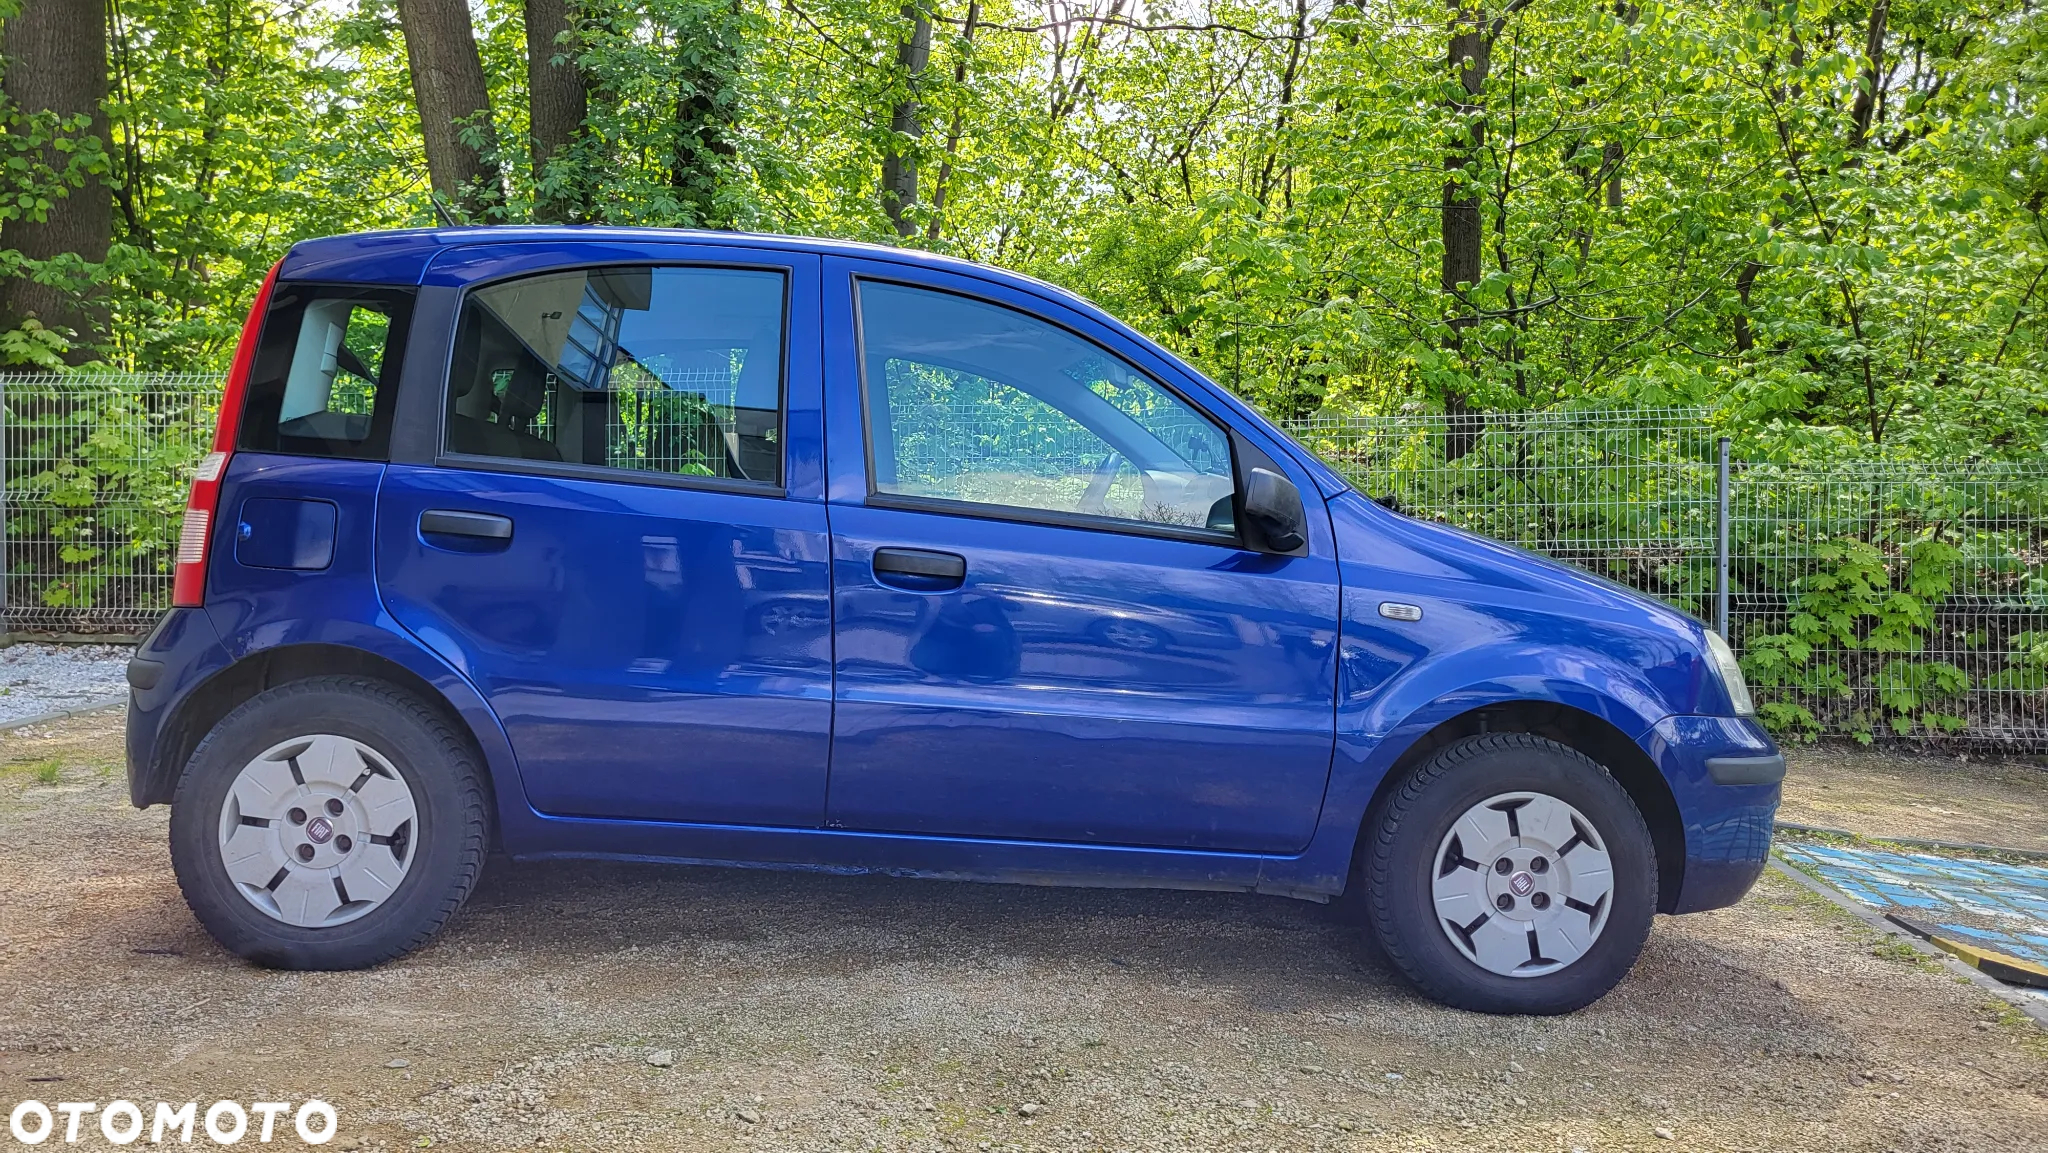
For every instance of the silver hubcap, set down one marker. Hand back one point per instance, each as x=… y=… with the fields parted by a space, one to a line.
x=1523 y=884
x=318 y=830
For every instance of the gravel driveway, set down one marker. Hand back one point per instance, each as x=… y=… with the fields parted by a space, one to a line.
x=37 y=679
x=1880 y=793
x=589 y=1006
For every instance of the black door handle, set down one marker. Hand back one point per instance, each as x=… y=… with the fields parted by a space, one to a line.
x=917 y=562
x=454 y=522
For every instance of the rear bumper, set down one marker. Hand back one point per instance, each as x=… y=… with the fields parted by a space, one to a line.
x=181 y=651
x=1725 y=774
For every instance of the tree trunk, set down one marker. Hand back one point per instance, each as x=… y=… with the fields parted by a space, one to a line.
x=1865 y=109
x=899 y=165
x=1289 y=75
x=1463 y=233
x=703 y=118
x=1745 y=281
x=454 y=106
x=1612 y=154
x=57 y=57
x=557 y=106
x=945 y=181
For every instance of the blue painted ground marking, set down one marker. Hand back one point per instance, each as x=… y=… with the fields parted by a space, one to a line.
x=2003 y=906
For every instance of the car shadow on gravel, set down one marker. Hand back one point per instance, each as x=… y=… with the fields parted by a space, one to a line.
x=1273 y=955
x=804 y=920
x=1262 y=955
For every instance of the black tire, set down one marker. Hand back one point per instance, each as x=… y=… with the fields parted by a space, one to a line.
x=1401 y=858
x=447 y=848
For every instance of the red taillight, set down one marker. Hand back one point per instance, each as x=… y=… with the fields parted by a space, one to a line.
x=188 y=581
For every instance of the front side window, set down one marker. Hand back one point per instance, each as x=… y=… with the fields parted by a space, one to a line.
x=675 y=371
x=975 y=402
x=326 y=371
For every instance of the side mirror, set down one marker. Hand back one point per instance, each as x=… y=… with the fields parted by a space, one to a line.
x=1274 y=519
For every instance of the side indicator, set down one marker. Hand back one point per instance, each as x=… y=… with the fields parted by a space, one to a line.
x=1396 y=611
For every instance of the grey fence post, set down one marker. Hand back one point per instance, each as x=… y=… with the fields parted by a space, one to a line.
x=1721 y=546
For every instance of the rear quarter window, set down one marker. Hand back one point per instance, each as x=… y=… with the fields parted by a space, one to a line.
x=325 y=377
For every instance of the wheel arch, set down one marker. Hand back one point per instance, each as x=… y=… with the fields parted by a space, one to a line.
x=198 y=711
x=1594 y=736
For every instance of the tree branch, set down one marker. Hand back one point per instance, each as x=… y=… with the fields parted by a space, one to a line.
x=1131 y=25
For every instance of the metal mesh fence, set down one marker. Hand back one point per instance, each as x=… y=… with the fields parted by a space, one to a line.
x=1894 y=598
x=1870 y=599
x=96 y=472
x=1629 y=494
x=1880 y=600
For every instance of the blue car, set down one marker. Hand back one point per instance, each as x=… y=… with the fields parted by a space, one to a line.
x=750 y=550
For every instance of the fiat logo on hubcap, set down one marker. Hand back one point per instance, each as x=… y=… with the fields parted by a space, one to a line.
x=320 y=828
x=1521 y=883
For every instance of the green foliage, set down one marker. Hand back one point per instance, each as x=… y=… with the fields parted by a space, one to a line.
x=1862 y=611
x=33 y=346
x=45 y=158
x=1679 y=203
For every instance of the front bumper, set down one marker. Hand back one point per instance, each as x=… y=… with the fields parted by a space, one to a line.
x=1725 y=773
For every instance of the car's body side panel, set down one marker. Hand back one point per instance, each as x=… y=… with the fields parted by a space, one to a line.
x=1081 y=686
x=653 y=652
x=1493 y=615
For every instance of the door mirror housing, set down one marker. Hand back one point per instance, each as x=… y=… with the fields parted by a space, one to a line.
x=1275 y=521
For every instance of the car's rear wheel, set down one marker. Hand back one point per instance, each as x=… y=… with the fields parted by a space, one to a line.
x=330 y=823
x=1511 y=874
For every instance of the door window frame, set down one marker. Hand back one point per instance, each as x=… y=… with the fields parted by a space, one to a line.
x=477 y=462
x=947 y=506
x=390 y=374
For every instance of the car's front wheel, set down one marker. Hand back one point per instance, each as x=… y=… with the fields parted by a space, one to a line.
x=330 y=823
x=1511 y=874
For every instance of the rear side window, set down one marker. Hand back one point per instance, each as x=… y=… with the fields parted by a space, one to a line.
x=652 y=370
x=325 y=376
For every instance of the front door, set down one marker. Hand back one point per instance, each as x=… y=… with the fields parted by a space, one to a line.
x=611 y=550
x=1045 y=626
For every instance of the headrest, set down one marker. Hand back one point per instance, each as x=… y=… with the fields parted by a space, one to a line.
x=524 y=394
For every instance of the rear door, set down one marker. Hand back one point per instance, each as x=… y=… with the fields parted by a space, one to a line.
x=1047 y=627
x=623 y=541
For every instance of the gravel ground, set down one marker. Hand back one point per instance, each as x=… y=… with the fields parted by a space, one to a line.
x=1876 y=793
x=36 y=679
x=587 y=1007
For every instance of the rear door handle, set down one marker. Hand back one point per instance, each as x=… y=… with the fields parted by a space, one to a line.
x=938 y=567
x=455 y=522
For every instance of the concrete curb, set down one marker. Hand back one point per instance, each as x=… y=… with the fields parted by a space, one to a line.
x=2003 y=966
x=2036 y=1009
x=1915 y=842
x=60 y=714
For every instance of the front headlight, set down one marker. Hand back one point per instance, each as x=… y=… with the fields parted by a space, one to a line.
x=1731 y=674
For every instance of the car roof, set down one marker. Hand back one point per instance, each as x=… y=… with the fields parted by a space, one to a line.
x=401 y=256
